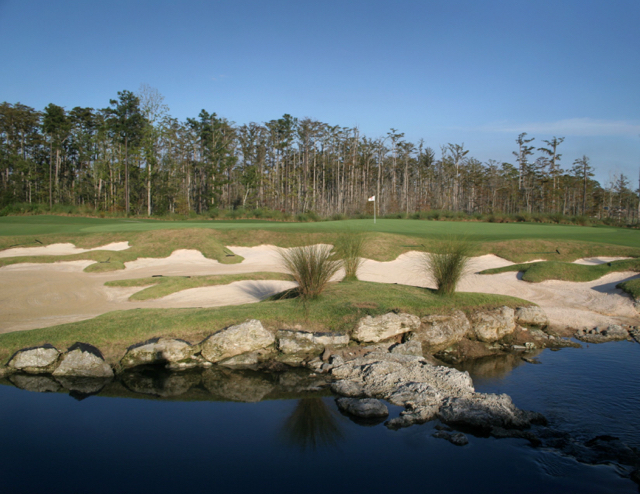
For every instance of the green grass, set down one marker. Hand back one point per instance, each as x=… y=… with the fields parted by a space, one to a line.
x=339 y=307
x=632 y=287
x=158 y=243
x=311 y=266
x=161 y=286
x=388 y=239
x=536 y=272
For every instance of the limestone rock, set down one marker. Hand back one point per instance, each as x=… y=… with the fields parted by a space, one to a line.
x=531 y=316
x=366 y=408
x=484 y=411
x=157 y=350
x=493 y=325
x=439 y=332
x=412 y=347
x=602 y=334
x=83 y=360
x=235 y=340
x=37 y=360
x=374 y=329
x=292 y=342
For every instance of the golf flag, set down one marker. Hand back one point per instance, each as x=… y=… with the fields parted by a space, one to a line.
x=372 y=198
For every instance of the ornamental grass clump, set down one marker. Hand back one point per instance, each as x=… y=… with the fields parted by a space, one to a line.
x=448 y=263
x=311 y=266
x=349 y=247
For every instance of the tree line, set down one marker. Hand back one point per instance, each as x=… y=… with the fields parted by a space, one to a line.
x=133 y=157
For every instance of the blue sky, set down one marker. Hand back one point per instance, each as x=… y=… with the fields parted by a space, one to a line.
x=459 y=71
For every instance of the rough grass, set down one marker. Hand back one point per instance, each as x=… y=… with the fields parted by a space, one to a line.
x=349 y=248
x=447 y=263
x=632 y=287
x=536 y=272
x=311 y=266
x=337 y=309
x=161 y=286
x=158 y=243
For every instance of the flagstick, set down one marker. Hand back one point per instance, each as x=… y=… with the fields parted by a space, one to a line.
x=374 y=210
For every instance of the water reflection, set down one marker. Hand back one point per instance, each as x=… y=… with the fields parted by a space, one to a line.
x=496 y=366
x=312 y=425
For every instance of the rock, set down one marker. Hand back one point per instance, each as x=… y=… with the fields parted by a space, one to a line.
x=37 y=384
x=293 y=342
x=375 y=329
x=439 y=332
x=484 y=411
x=635 y=334
x=602 y=334
x=493 y=325
x=235 y=340
x=6 y=371
x=366 y=408
x=458 y=439
x=83 y=360
x=157 y=351
x=36 y=360
x=412 y=347
x=531 y=316
x=244 y=360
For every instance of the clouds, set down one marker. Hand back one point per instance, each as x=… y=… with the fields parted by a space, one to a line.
x=582 y=127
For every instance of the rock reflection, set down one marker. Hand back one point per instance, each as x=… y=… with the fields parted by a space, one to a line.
x=36 y=383
x=495 y=366
x=312 y=425
x=160 y=382
x=229 y=385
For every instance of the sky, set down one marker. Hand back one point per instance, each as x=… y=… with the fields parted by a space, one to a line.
x=468 y=72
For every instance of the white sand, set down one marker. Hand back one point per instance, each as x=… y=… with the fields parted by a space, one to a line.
x=42 y=295
x=59 y=250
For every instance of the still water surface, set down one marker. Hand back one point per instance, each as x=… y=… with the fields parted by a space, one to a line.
x=54 y=443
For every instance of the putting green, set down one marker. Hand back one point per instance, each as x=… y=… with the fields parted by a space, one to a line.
x=476 y=231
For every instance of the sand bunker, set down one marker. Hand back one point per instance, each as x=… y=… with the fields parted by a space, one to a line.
x=42 y=295
x=59 y=250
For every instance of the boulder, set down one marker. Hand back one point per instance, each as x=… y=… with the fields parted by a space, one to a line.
x=412 y=347
x=157 y=351
x=366 y=408
x=482 y=412
x=236 y=340
x=438 y=332
x=294 y=342
x=531 y=316
x=373 y=329
x=493 y=325
x=36 y=360
x=83 y=360
x=602 y=334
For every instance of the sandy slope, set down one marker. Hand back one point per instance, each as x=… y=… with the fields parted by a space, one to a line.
x=42 y=295
x=59 y=250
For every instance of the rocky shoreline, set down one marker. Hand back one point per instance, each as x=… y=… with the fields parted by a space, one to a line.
x=390 y=358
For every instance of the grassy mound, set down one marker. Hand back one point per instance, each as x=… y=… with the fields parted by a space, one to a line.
x=161 y=286
x=338 y=308
x=536 y=272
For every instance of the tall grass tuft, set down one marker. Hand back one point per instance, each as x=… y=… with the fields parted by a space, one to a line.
x=311 y=266
x=349 y=247
x=448 y=263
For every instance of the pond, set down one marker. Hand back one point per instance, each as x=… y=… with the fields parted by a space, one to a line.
x=162 y=432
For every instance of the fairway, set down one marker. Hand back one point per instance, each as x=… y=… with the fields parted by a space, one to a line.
x=475 y=231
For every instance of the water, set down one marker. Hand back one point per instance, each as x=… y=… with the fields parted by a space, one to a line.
x=295 y=440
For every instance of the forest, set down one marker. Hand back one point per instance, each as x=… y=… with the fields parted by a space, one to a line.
x=133 y=157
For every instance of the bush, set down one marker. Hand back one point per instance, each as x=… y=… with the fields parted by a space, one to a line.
x=447 y=264
x=349 y=247
x=311 y=267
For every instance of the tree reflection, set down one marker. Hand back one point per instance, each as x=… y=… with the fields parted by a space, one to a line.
x=311 y=425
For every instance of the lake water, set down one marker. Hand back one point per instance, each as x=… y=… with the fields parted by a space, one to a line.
x=128 y=439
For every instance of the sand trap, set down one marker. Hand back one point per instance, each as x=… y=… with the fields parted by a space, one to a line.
x=594 y=261
x=41 y=295
x=59 y=250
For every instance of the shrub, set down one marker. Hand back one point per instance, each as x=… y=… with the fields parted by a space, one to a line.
x=311 y=266
x=349 y=247
x=447 y=264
